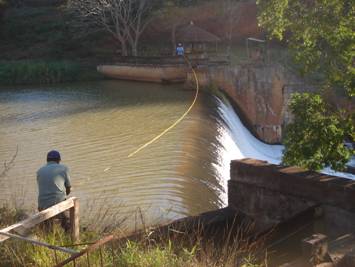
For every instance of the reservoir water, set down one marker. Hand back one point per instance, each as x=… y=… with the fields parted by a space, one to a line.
x=97 y=125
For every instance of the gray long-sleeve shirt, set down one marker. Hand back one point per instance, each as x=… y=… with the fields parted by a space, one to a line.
x=52 y=180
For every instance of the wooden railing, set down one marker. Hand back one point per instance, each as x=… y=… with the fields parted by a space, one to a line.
x=72 y=204
x=23 y=227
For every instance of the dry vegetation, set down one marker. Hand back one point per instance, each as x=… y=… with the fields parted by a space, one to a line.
x=157 y=248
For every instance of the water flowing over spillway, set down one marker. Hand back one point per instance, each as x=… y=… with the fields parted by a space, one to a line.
x=239 y=143
x=97 y=125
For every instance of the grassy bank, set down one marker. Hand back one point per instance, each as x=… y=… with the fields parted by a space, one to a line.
x=42 y=72
x=150 y=249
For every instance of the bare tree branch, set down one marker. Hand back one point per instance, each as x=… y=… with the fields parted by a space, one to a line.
x=232 y=14
x=9 y=165
x=125 y=20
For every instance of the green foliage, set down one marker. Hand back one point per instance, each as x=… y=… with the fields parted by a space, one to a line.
x=134 y=254
x=151 y=248
x=250 y=262
x=10 y=215
x=19 y=21
x=320 y=35
x=40 y=72
x=49 y=33
x=314 y=139
x=129 y=254
x=20 y=253
x=320 y=32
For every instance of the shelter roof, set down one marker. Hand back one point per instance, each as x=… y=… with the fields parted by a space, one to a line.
x=194 y=34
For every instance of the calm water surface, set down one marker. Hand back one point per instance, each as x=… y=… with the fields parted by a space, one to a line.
x=96 y=126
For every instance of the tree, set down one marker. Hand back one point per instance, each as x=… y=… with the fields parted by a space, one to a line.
x=320 y=33
x=315 y=138
x=125 y=20
x=176 y=16
x=232 y=15
x=3 y=5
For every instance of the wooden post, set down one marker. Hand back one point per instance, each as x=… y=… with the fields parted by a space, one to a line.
x=315 y=249
x=74 y=221
x=23 y=226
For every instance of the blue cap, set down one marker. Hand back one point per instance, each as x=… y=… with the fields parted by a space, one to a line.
x=53 y=155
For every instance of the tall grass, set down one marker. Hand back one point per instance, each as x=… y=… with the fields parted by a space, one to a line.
x=41 y=72
x=150 y=248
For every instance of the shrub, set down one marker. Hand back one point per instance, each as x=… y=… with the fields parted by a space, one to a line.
x=315 y=138
x=39 y=72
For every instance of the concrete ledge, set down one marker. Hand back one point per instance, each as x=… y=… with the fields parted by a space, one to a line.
x=293 y=182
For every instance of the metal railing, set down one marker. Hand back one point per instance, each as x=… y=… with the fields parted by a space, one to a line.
x=171 y=60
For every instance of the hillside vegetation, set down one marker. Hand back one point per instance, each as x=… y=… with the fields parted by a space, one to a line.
x=44 y=42
x=53 y=33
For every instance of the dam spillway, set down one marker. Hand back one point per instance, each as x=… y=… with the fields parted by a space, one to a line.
x=97 y=125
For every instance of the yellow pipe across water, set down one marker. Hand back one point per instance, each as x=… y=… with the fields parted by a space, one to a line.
x=176 y=122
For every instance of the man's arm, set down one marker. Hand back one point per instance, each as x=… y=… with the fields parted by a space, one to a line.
x=67 y=182
x=68 y=189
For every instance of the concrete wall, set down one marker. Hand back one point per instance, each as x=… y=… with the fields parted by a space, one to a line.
x=261 y=93
x=273 y=193
x=145 y=73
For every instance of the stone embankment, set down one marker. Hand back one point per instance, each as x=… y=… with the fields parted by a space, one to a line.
x=305 y=218
x=321 y=206
x=274 y=193
x=260 y=93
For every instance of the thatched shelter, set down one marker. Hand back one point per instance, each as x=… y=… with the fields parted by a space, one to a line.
x=196 y=39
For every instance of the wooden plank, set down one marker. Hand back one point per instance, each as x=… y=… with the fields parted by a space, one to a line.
x=74 y=221
x=23 y=226
x=39 y=243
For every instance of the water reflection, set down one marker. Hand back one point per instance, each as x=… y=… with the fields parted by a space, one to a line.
x=96 y=126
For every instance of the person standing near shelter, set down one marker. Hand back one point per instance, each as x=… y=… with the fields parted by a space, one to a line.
x=180 y=51
x=53 y=185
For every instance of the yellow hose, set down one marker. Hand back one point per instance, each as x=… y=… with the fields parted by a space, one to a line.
x=178 y=121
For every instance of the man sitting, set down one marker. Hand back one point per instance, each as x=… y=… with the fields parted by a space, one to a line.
x=53 y=185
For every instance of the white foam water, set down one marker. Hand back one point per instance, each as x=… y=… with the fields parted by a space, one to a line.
x=239 y=143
